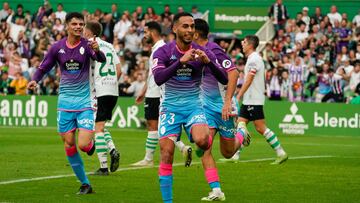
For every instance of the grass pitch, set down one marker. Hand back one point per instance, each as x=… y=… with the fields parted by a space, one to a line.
x=320 y=169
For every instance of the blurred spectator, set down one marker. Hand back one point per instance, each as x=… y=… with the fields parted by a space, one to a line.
x=136 y=86
x=166 y=13
x=180 y=9
x=337 y=89
x=5 y=11
x=5 y=82
x=132 y=40
x=285 y=84
x=305 y=17
x=274 y=85
x=334 y=15
x=278 y=13
x=124 y=85
x=151 y=13
x=19 y=83
x=19 y=13
x=15 y=28
x=139 y=13
x=355 y=77
x=195 y=13
x=323 y=83
x=114 y=13
x=60 y=13
x=356 y=20
x=296 y=75
x=318 y=16
x=302 y=34
x=122 y=27
x=108 y=28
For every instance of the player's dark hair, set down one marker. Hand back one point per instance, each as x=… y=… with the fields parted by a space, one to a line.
x=253 y=40
x=94 y=27
x=72 y=15
x=178 y=16
x=202 y=27
x=152 y=25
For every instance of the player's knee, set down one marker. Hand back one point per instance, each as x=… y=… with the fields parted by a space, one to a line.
x=227 y=153
x=203 y=143
x=85 y=147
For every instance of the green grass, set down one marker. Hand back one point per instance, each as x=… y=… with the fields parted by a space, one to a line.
x=31 y=153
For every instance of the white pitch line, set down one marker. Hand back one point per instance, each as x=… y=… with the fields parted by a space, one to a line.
x=315 y=144
x=138 y=168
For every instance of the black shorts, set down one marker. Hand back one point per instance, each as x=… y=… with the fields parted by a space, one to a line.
x=151 y=107
x=252 y=112
x=105 y=106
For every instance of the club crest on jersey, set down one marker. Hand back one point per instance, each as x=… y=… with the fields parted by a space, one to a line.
x=226 y=63
x=173 y=57
x=61 y=51
x=82 y=50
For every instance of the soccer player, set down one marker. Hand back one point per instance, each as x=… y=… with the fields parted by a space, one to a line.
x=105 y=84
x=213 y=95
x=73 y=54
x=252 y=92
x=177 y=69
x=151 y=92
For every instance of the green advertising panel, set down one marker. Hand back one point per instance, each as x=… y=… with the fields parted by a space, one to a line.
x=282 y=117
x=313 y=118
x=40 y=111
x=246 y=19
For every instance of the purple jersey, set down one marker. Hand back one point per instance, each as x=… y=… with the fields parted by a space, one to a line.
x=182 y=90
x=213 y=92
x=74 y=65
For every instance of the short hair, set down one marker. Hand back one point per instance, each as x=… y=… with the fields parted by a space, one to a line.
x=253 y=40
x=95 y=27
x=202 y=27
x=72 y=15
x=152 y=25
x=178 y=16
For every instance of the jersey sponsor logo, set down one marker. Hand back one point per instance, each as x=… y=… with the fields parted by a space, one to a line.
x=72 y=66
x=226 y=64
x=82 y=50
x=184 y=73
x=61 y=51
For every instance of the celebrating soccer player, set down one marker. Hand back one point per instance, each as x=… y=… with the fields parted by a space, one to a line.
x=73 y=54
x=105 y=84
x=252 y=92
x=177 y=69
x=213 y=95
x=151 y=92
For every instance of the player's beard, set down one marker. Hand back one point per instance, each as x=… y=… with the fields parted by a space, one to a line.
x=187 y=41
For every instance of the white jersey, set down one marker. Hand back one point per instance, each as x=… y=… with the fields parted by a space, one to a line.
x=254 y=95
x=105 y=74
x=153 y=91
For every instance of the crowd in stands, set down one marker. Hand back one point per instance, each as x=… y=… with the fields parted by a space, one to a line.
x=311 y=58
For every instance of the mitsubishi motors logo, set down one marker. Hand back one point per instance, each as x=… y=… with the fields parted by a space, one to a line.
x=293 y=123
x=289 y=117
